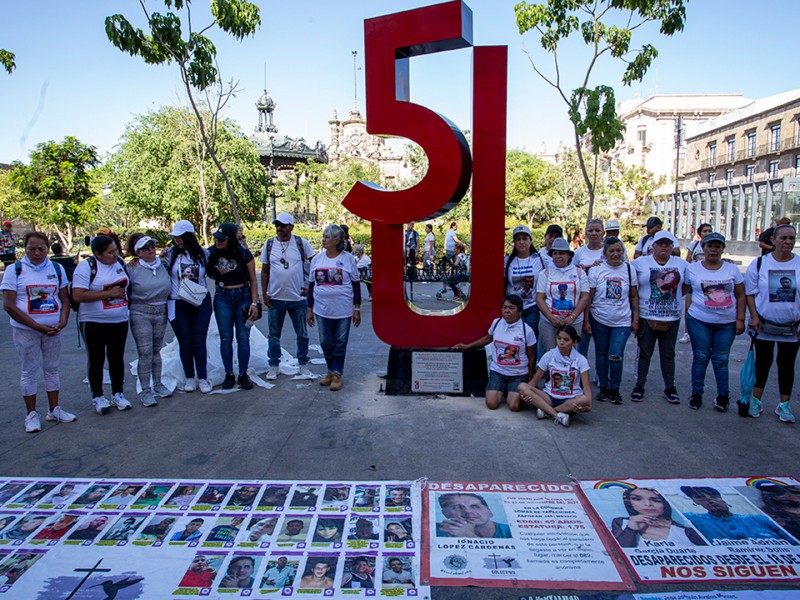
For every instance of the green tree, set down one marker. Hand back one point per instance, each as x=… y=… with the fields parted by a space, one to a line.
x=54 y=190
x=163 y=170
x=336 y=183
x=195 y=55
x=529 y=179
x=606 y=28
x=7 y=60
x=634 y=185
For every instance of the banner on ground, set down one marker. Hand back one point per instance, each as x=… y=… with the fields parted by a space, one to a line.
x=514 y=535
x=699 y=530
x=219 y=539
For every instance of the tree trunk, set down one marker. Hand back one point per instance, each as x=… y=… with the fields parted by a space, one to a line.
x=585 y=173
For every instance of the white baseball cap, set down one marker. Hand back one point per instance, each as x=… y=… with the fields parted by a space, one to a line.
x=612 y=225
x=180 y=228
x=141 y=242
x=665 y=235
x=284 y=219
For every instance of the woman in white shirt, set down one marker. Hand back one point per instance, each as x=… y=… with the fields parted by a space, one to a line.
x=334 y=300
x=715 y=316
x=35 y=298
x=562 y=294
x=567 y=391
x=774 y=305
x=520 y=271
x=614 y=313
x=513 y=354
x=100 y=285
x=586 y=257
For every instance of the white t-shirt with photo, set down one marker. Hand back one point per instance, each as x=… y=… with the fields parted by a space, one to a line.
x=611 y=304
x=37 y=289
x=660 y=287
x=522 y=276
x=286 y=284
x=696 y=251
x=565 y=373
x=562 y=288
x=107 y=310
x=186 y=267
x=546 y=258
x=509 y=345
x=775 y=289
x=586 y=257
x=713 y=300
x=333 y=288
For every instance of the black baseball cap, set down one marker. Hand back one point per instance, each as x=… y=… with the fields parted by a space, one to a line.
x=554 y=229
x=653 y=222
x=225 y=231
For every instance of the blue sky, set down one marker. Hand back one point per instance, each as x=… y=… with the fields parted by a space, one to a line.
x=71 y=81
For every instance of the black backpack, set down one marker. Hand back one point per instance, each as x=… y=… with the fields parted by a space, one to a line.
x=306 y=264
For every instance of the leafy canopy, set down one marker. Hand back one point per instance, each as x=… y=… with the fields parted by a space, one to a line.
x=7 y=60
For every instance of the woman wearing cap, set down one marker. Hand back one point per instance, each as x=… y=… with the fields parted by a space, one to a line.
x=100 y=285
x=660 y=276
x=614 y=314
x=551 y=234
x=35 y=298
x=513 y=354
x=562 y=294
x=521 y=269
x=149 y=292
x=714 y=317
x=235 y=300
x=586 y=257
x=334 y=300
x=186 y=259
x=774 y=305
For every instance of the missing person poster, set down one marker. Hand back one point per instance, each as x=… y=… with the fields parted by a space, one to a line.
x=215 y=539
x=697 y=530
x=515 y=535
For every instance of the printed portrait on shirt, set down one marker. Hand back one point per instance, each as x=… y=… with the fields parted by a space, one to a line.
x=41 y=299
x=525 y=289
x=782 y=286
x=562 y=381
x=563 y=294
x=190 y=271
x=507 y=354
x=613 y=288
x=717 y=294
x=329 y=276
x=109 y=303
x=664 y=284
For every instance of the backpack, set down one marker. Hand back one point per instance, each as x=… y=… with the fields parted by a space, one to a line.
x=306 y=264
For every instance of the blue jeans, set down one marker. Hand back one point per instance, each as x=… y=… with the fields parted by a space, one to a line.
x=583 y=345
x=609 y=350
x=228 y=308
x=710 y=341
x=531 y=317
x=191 y=330
x=275 y=317
x=333 y=336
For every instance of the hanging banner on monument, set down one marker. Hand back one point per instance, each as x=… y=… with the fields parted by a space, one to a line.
x=515 y=535
x=219 y=539
x=696 y=530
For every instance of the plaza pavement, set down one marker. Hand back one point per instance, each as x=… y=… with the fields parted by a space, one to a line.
x=300 y=430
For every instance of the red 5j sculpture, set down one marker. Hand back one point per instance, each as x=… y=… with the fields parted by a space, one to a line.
x=390 y=41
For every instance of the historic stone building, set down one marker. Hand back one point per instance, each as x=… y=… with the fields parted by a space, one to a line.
x=742 y=171
x=349 y=139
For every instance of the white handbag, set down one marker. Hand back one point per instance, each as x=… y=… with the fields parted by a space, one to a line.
x=191 y=292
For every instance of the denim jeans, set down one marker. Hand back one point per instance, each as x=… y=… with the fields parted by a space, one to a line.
x=333 y=336
x=531 y=316
x=710 y=341
x=275 y=316
x=191 y=330
x=583 y=345
x=648 y=337
x=228 y=310
x=609 y=350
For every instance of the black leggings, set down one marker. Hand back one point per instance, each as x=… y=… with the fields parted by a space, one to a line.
x=787 y=354
x=105 y=340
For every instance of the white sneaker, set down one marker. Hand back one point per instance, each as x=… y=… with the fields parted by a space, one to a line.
x=120 y=401
x=684 y=339
x=190 y=385
x=540 y=414
x=161 y=390
x=101 y=405
x=273 y=372
x=32 y=423
x=562 y=419
x=147 y=398
x=60 y=415
x=305 y=372
x=205 y=386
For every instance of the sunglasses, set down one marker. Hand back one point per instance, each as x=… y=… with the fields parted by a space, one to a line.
x=148 y=246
